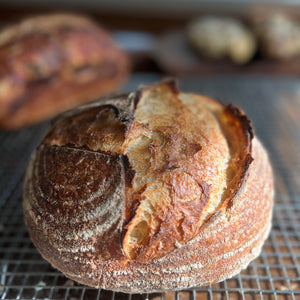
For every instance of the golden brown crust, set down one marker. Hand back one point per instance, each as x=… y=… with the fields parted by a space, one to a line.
x=150 y=191
x=52 y=63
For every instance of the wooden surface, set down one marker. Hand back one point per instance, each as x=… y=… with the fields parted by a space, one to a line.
x=175 y=56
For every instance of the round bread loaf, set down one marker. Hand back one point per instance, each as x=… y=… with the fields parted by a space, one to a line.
x=220 y=38
x=151 y=191
x=51 y=63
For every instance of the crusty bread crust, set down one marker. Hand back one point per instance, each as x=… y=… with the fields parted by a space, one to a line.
x=42 y=23
x=186 y=207
x=53 y=62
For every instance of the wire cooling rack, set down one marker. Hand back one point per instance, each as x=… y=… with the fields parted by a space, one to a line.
x=273 y=105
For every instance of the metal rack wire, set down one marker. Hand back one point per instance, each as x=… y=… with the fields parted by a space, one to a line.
x=274 y=106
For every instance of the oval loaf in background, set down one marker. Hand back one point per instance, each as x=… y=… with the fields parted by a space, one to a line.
x=149 y=191
x=51 y=63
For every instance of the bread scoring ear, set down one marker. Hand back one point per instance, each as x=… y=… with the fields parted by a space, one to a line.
x=149 y=191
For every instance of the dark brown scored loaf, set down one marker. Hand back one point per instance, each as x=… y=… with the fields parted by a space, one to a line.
x=151 y=191
x=51 y=63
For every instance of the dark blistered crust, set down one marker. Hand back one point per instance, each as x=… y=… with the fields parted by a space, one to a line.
x=244 y=121
x=78 y=206
x=55 y=62
x=126 y=109
x=238 y=130
x=173 y=85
